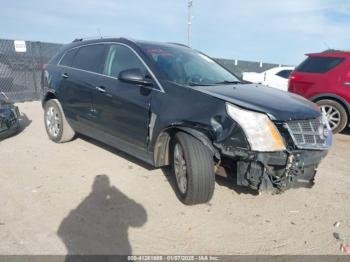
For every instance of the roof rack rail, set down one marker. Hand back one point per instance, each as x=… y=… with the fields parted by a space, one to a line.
x=77 y=40
x=86 y=38
x=174 y=43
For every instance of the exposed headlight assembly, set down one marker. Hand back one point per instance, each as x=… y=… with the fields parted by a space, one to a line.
x=260 y=131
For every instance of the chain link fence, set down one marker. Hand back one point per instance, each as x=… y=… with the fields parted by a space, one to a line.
x=20 y=69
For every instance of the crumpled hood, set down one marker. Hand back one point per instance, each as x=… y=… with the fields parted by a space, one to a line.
x=279 y=105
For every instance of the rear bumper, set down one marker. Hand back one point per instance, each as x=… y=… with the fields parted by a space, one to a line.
x=274 y=172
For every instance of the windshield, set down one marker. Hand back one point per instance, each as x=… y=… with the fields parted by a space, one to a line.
x=185 y=66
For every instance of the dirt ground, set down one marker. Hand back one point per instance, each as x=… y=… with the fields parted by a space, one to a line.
x=83 y=197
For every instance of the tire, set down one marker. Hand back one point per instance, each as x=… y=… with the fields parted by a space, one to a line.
x=199 y=170
x=333 y=109
x=57 y=127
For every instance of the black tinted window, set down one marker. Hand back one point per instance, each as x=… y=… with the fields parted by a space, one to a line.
x=90 y=58
x=284 y=73
x=319 y=64
x=122 y=58
x=67 y=59
x=185 y=66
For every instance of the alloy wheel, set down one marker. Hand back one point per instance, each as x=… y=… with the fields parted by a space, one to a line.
x=180 y=168
x=332 y=114
x=53 y=122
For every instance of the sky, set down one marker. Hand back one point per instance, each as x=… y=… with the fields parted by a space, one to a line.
x=276 y=31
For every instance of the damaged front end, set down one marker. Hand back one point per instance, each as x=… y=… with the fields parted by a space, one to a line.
x=9 y=113
x=277 y=172
x=302 y=145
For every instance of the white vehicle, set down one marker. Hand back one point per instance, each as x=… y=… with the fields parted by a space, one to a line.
x=276 y=77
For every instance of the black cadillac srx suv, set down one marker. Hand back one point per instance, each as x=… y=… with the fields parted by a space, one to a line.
x=168 y=104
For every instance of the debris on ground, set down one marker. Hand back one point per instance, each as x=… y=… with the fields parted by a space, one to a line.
x=345 y=248
x=336 y=224
x=337 y=236
x=294 y=211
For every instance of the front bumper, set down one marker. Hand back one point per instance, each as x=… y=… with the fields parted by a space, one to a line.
x=274 y=172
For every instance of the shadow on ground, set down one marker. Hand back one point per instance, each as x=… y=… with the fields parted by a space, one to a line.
x=117 y=152
x=231 y=183
x=228 y=182
x=222 y=181
x=346 y=131
x=24 y=122
x=99 y=224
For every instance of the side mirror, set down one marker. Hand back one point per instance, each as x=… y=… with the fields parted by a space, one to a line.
x=134 y=76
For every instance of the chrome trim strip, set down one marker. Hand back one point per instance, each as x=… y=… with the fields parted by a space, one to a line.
x=152 y=122
x=161 y=89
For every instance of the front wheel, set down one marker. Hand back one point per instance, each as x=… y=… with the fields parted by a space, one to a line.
x=193 y=168
x=336 y=114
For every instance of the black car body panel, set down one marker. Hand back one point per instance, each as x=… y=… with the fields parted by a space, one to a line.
x=142 y=119
x=9 y=113
x=279 y=105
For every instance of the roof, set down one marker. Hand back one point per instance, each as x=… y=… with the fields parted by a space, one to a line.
x=331 y=53
x=82 y=41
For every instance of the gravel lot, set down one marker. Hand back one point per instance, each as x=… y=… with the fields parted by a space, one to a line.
x=84 y=197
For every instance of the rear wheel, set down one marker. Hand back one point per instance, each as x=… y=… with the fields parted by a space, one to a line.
x=335 y=113
x=193 y=169
x=57 y=127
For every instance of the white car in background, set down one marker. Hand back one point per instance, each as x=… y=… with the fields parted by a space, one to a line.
x=276 y=77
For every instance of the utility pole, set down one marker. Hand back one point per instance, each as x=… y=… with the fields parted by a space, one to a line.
x=189 y=23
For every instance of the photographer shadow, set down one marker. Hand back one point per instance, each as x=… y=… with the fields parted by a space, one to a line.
x=99 y=224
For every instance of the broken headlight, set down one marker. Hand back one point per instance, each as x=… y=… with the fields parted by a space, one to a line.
x=260 y=131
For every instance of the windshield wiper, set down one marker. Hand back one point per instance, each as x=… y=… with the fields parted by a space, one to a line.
x=199 y=84
x=226 y=82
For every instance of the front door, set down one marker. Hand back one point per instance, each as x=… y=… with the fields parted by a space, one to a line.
x=122 y=109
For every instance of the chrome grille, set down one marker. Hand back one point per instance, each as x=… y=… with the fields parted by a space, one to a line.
x=311 y=133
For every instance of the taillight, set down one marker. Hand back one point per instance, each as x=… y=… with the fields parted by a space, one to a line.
x=290 y=82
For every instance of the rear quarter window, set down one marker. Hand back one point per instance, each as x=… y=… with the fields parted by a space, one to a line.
x=68 y=57
x=284 y=73
x=319 y=64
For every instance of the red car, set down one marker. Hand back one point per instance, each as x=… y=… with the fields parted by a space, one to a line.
x=324 y=78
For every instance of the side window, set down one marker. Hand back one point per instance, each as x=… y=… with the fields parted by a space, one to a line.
x=90 y=58
x=314 y=64
x=121 y=58
x=284 y=73
x=67 y=59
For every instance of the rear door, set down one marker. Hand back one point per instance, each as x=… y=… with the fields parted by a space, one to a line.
x=80 y=69
x=122 y=108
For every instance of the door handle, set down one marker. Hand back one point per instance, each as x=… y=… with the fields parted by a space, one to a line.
x=64 y=75
x=347 y=83
x=101 y=89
